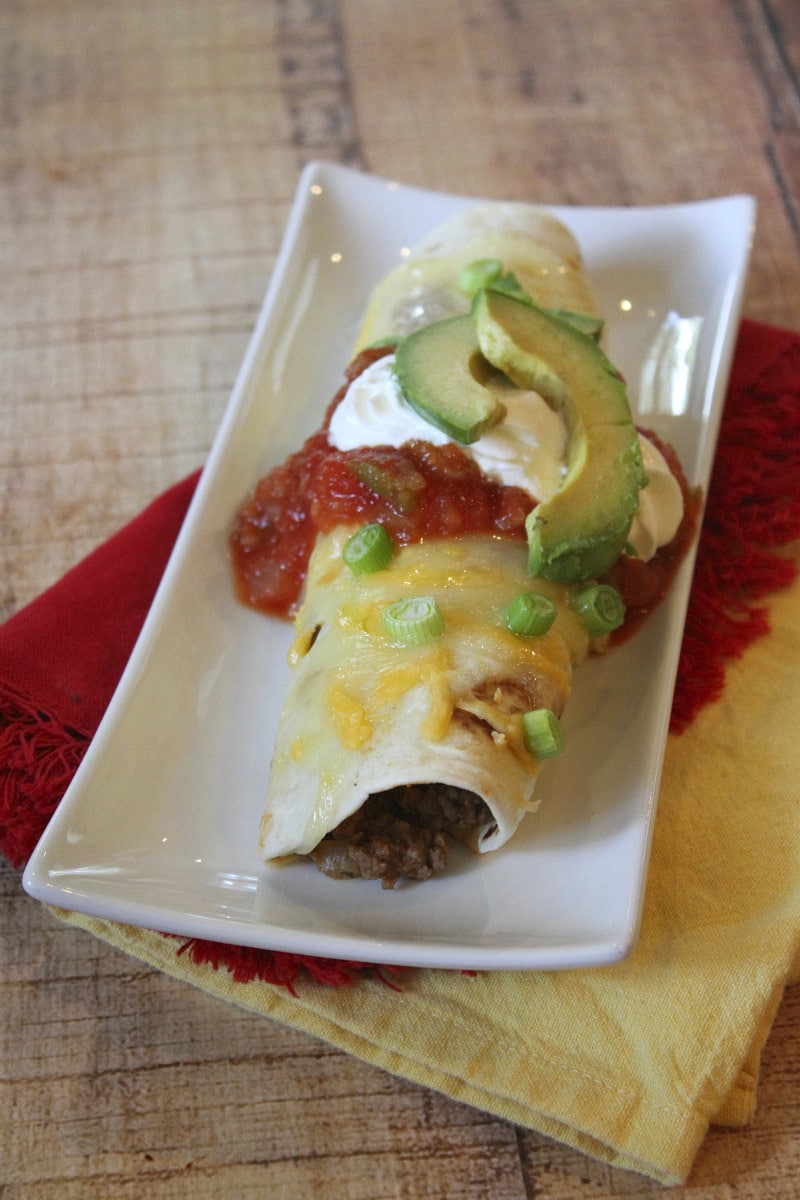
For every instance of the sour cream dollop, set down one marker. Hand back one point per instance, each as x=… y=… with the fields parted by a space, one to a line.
x=660 y=504
x=525 y=450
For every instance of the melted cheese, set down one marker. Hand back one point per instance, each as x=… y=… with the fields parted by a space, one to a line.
x=349 y=717
x=478 y=666
x=424 y=288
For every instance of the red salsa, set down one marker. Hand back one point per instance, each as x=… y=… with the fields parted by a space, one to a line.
x=416 y=491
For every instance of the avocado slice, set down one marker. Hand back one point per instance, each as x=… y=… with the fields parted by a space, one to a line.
x=510 y=285
x=440 y=370
x=579 y=531
x=585 y=322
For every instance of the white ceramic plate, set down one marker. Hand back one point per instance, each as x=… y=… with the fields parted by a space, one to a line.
x=159 y=826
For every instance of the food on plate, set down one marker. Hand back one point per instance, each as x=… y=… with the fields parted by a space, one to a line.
x=476 y=515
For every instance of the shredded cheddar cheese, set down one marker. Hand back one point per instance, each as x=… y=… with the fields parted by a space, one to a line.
x=349 y=717
x=478 y=665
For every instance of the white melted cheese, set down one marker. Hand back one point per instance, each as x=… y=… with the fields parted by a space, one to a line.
x=525 y=450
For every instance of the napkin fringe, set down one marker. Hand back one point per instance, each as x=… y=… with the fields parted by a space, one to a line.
x=40 y=755
x=247 y=964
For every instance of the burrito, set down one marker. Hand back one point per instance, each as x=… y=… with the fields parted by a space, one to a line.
x=451 y=544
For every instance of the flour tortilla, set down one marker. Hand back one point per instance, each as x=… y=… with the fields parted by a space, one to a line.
x=362 y=715
x=528 y=241
x=458 y=722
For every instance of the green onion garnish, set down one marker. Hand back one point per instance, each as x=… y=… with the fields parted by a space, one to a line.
x=479 y=274
x=543 y=733
x=600 y=608
x=369 y=549
x=415 y=621
x=530 y=614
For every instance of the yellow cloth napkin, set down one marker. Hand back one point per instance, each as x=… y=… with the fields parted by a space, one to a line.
x=628 y=1063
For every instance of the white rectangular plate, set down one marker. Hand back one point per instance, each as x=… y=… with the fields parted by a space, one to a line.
x=159 y=826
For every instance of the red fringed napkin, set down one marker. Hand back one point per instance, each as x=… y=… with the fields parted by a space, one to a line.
x=752 y=510
x=61 y=657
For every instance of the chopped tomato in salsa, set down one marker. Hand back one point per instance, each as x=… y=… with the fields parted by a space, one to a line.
x=418 y=490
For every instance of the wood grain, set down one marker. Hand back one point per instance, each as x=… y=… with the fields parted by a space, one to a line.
x=148 y=158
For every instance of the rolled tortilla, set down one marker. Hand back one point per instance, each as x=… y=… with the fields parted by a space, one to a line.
x=432 y=733
x=528 y=241
x=362 y=716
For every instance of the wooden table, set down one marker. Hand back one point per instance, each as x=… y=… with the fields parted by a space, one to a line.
x=149 y=154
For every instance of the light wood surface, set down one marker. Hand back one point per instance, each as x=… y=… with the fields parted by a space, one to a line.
x=150 y=150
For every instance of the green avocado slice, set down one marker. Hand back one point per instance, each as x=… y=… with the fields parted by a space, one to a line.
x=579 y=531
x=439 y=369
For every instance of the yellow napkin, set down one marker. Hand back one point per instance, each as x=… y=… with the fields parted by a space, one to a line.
x=628 y=1063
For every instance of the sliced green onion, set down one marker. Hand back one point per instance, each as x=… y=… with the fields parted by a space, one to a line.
x=415 y=621
x=369 y=549
x=481 y=273
x=600 y=608
x=530 y=614
x=543 y=733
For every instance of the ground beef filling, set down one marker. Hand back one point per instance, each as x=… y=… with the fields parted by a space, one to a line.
x=401 y=833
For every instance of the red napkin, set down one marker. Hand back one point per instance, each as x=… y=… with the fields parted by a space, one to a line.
x=61 y=658
x=62 y=655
